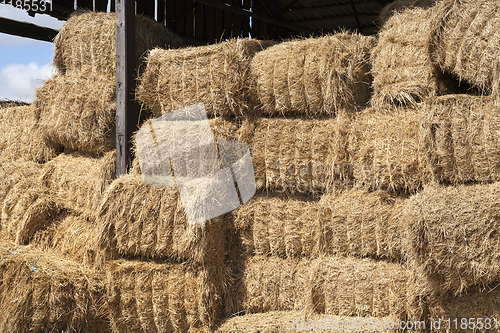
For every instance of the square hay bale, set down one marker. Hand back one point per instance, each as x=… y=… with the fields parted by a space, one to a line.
x=146 y=296
x=329 y=285
x=73 y=237
x=88 y=41
x=463 y=141
x=13 y=172
x=468 y=45
x=355 y=223
x=136 y=219
x=22 y=137
x=215 y=75
x=449 y=313
x=77 y=111
x=78 y=181
x=387 y=150
x=314 y=76
x=273 y=225
x=450 y=138
x=358 y=223
x=452 y=234
x=403 y=71
x=301 y=155
x=27 y=208
x=41 y=292
x=293 y=321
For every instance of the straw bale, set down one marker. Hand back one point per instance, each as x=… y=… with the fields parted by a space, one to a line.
x=315 y=76
x=13 y=172
x=72 y=237
x=27 y=208
x=452 y=234
x=152 y=297
x=468 y=44
x=403 y=71
x=77 y=111
x=215 y=75
x=22 y=137
x=301 y=155
x=387 y=150
x=354 y=223
x=141 y=220
x=271 y=225
x=87 y=41
x=78 y=181
x=329 y=285
x=292 y=321
x=462 y=132
x=477 y=303
x=41 y=292
x=357 y=223
x=448 y=139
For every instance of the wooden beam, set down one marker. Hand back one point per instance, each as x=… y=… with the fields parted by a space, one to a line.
x=255 y=16
x=27 y=30
x=126 y=111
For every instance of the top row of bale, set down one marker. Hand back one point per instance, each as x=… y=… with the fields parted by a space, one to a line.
x=418 y=41
x=313 y=77
x=307 y=76
x=316 y=76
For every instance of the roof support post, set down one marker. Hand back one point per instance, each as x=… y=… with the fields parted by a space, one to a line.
x=126 y=111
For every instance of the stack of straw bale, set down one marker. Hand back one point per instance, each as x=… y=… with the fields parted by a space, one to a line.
x=314 y=76
x=40 y=292
x=87 y=41
x=330 y=285
x=468 y=44
x=216 y=75
x=452 y=234
x=448 y=139
x=300 y=155
x=22 y=136
x=356 y=223
x=77 y=106
x=403 y=71
x=291 y=321
x=146 y=297
x=78 y=181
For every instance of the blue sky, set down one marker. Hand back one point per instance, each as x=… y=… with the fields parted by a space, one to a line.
x=24 y=62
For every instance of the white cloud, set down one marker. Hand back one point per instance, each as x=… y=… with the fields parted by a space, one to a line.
x=43 y=20
x=17 y=81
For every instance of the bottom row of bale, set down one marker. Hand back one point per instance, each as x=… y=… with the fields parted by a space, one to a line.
x=249 y=278
x=82 y=251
